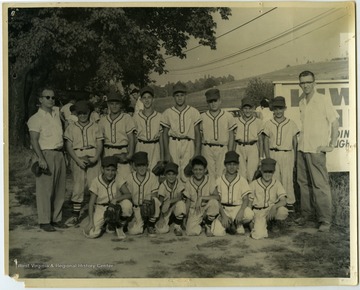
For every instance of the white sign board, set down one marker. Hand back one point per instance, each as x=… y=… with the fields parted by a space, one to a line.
x=338 y=91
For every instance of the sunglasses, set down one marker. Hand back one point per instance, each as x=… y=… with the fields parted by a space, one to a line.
x=268 y=171
x=49 y=97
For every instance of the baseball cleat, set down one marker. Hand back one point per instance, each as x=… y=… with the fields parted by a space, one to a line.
x=178 y=231
x=240 y=230
x=152 y=232
x=120 y=233
x=72 y=221
x=110 y=229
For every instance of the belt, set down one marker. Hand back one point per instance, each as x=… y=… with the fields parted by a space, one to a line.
x=148 y=142
x=102 y=204
x=180 y=138
x=56 y=149
x=86 y=148
x=259 y=208
x=115 y=146
x=211 y=145
x=278 y=150
x=228 y=204
x=246 y=143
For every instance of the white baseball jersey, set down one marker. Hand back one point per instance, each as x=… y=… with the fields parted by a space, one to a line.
x=181 y=124
x=83 y=136
x=232 y=193
x=115 y=131
x=281 y=134
x=192 y=190
x=215 y=130
x=171 y=193
x=106 y=192
x=142 y=190
x=148 y=128
x=247 y=131
x=264 y=196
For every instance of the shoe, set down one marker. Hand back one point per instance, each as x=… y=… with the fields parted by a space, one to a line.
x=110 y=229
x=178 y=231
x=59 y=225
x=240 y=230
x=208 y=232
x=152 y=232
x=72 y=221
x=301 y=221
x=120 y=233
x=324 y=227
x=47 y=228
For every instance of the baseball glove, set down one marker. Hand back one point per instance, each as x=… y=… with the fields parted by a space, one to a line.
x=257 y=173
x=188 y=170
x=147 y=209
x=122 y=158
x=231 y=229
x=112 y=214
x=159 y=168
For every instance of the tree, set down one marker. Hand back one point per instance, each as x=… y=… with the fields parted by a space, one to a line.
x=84 y=48
x=257 y=89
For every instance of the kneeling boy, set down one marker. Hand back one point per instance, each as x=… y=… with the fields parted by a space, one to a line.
x=105 y=189
x=268 y=199
x=233 y=191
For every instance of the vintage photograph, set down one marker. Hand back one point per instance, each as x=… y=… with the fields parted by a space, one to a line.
x=164 y=143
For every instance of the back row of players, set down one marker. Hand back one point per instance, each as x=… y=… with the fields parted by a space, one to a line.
x=228 y=148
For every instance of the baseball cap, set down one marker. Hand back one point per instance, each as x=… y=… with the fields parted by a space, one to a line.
x=82 y=106
x=199 y=160
x=134 y=90
x=179 y=87
x=113 y=96
x=171 y=166
x=140 y=158
x=278 y=102
x=147 y=89
x=109 y=161
x=212 y=95
x=268 y=164
x=231 y=156
x=247 y=102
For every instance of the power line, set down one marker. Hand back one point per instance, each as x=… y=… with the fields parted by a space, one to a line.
x=282 y=44
x=265 y=42
x=242 y=25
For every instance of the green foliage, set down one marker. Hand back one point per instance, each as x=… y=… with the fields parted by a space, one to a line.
x=257 y=89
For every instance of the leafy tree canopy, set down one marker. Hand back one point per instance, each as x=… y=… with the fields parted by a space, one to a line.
x=257 y=89
x=84 y=48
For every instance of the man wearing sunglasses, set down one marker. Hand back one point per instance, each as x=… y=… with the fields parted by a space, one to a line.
x=318 y=135
x=46 y=138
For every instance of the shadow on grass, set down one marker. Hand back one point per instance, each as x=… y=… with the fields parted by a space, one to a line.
x=127 y=262
x=102 y=272
x=159 y=272
x=221 y=243
x=17 y=219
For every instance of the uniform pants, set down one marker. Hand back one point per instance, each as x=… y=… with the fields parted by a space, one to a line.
x=260 y=221
x=50 y=190
x=153 y=151
x=83 y=177
x=313 y=180
x=181 y=152
x=215 y=156
x=249 y=160
x=178 y=210
x=284 y=172
x=123 y=170
x=231 y=211
x=126 y=207
x=210 y=210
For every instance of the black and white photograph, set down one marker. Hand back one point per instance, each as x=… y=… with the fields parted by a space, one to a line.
x=180 y=144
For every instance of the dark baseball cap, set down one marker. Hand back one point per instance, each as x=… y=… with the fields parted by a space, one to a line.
x=147 y=89
x=113 y=96
x=171 y=166
x=212 y=95
x=268 y=164
x=179 y=87
x=231 y=156
x=247 y=102
x=109 y=161
x=82 y=106
x=199 y=160
x=140 y=158
x=278 y=102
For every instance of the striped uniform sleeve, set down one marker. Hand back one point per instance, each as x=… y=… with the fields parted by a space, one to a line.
x=94 y=186
x=129 y=124
x=68 y=133
x=280 y=191
x=154 y=184
x=294 y=128
x=161 y=129
x=162 y=191
x=196 y=116
x=187 y=191
x=267 y=126
x=245 y=189
x=232 y=125
x=98 y=134
x=260 y=125
x=165 y=122
x=252 y=186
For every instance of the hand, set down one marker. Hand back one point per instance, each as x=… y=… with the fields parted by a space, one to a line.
x=272 y=213
x=42 y=163
x=225 y=221
x=324 y=149
x=82 y=163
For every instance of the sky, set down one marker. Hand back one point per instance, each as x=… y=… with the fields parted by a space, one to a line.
x=282 y=35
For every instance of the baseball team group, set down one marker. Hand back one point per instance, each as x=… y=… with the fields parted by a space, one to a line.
x=183 y=171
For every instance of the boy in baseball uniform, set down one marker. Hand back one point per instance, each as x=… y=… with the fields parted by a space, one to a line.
x=217 y=127
x=182 y=140
x=248 y=140
x=172 y=198
x=84 y=144
x=106 y=189
x=148 y=128
x=267 y=199
x=233 y=191
x=144 y=187
x=202 y=204
x=118 y=131
x=280 y=144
